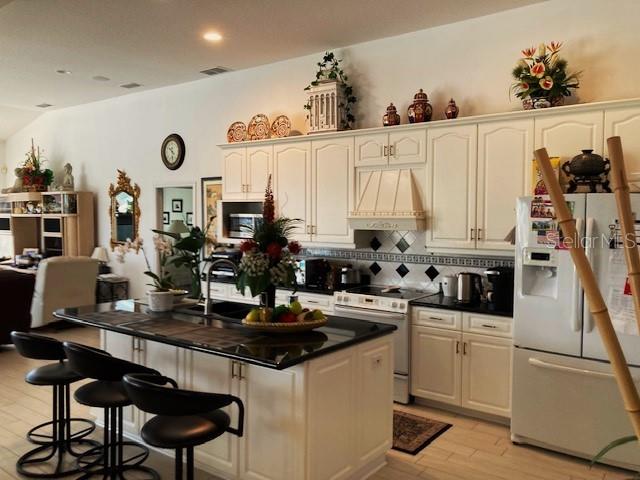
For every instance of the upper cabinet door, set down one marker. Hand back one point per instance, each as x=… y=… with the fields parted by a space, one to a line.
x=372 y=150
x=233 y=166
x=332 y=180
x=407 y=147
x=505 y=152
x=625 y=123
x=292 y=185
x=258 y=167
x=566 y=135
x=451 y=186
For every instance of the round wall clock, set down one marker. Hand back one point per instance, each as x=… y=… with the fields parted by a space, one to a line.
x=173 y=151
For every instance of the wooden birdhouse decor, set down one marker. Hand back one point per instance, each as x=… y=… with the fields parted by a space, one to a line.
x=327 y=107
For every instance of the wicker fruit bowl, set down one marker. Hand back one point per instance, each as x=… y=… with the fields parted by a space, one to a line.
x=284 y=319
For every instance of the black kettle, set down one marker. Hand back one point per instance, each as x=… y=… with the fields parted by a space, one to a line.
x=469 y=287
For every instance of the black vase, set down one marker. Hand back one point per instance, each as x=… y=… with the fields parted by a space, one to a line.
x=268 y=297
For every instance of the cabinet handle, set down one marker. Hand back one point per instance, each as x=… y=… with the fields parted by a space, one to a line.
x=241 y=375
x=457 y=346
x=233 y=369
x=386 y=150
x=479 y=234
x=311 y=301
x=486 y=325
x=392 y=150
x=314 y=229
x=464 y=348
x=439 y=319
x=472 y=234
x=308 y=230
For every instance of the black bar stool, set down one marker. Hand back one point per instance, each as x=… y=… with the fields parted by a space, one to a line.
x=184 y=419
x=62 y=438
x=107 y=392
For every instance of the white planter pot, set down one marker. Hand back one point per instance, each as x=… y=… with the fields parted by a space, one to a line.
x=160 y=301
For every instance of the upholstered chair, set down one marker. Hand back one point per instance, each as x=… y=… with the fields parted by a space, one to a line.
x=62 y=282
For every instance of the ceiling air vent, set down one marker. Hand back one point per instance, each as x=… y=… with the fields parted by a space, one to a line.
x=44 y=105
x=216 y=70
x=131 y=85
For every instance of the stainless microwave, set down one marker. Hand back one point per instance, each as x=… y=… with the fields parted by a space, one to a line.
x=241 y=225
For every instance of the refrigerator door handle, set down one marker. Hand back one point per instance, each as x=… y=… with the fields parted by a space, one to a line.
x=588 y=318
x=536 y=362
x=576 y=313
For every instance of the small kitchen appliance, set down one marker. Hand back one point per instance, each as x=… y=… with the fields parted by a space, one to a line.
x=469 y=287
x=241 y=225
x=349 y=277
x=316 y=271
x=500 y=294
x=388 y=305
x=221 y=269
x=449 y=286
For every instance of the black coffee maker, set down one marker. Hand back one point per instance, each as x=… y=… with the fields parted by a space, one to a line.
x=500 y=295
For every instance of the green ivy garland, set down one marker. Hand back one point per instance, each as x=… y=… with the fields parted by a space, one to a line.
x=329 y=69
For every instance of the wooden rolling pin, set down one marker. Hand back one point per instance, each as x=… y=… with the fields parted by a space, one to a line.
x=595 y=301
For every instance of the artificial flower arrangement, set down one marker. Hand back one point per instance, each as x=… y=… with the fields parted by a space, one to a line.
x=34 y=177
x=541 y=77
x=268 y=261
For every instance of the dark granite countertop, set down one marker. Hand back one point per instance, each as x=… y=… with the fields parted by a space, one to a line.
x=300 y=288
x=450 y=303
x=229 y=339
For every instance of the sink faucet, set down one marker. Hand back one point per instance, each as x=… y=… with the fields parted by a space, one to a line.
x=234 y=267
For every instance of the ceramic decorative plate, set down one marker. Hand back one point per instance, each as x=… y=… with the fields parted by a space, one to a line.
x=237 y=132
x=259 y=127
x=281 y=127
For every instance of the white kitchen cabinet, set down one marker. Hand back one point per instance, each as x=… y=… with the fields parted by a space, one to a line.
x=486 y=374
x=467 y=364
x=436 y=364
x=451 y=186
x=625 y=123
x=505 y=150
x=566 y=135
x=395 y=148
x=245 y=172
x=233 y=168
x=332 y=190
x=292 y=185
x=210 y=373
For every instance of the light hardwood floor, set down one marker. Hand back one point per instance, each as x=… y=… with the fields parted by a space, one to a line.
x=470 y=450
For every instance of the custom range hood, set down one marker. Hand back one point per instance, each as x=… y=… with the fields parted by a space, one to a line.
x=389 y=200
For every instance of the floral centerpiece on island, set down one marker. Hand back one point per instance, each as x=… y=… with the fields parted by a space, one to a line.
x=541 y=77
x=268 y=256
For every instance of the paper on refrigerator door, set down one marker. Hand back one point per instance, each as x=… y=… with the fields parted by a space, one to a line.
x=620 y=303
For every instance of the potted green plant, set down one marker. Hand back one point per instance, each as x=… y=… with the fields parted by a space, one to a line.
x=541 y=77
x=163 y=295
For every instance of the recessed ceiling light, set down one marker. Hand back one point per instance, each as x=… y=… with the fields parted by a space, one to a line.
x=63 y=72
x=44 y=105
x=131 y=85
x=100 y=78
x=212 y=36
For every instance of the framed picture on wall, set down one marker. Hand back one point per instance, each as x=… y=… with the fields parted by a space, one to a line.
x=211 y=193
x=176 y=205
x=190 y=218
x=165 y=218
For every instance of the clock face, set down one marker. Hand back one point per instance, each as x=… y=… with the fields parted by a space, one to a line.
x=173 y=151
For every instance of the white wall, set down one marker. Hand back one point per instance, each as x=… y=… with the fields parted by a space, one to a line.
x=470 y=61
x=3 y=164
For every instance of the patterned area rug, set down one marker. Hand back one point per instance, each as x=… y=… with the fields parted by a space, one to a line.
x=412 y=433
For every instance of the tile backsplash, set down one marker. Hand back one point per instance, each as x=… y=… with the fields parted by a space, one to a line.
x=400 y=258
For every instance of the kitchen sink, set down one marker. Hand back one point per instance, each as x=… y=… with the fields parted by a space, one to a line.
x=229 y=311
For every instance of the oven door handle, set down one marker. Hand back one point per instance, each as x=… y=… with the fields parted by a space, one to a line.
x=369 y=313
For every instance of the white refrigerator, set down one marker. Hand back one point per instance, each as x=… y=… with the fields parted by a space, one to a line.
x=564 y=394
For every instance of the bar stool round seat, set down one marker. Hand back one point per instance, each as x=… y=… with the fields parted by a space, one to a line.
x=178 y=432
x=184 y=418
x=115 y=456
x=63 y=435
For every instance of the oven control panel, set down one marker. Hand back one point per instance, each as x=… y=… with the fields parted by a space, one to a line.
x=371 y=302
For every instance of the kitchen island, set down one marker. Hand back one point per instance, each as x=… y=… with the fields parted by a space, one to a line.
x=318 y=404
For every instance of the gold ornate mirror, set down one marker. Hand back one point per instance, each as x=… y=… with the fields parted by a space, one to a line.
x=124 y=210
